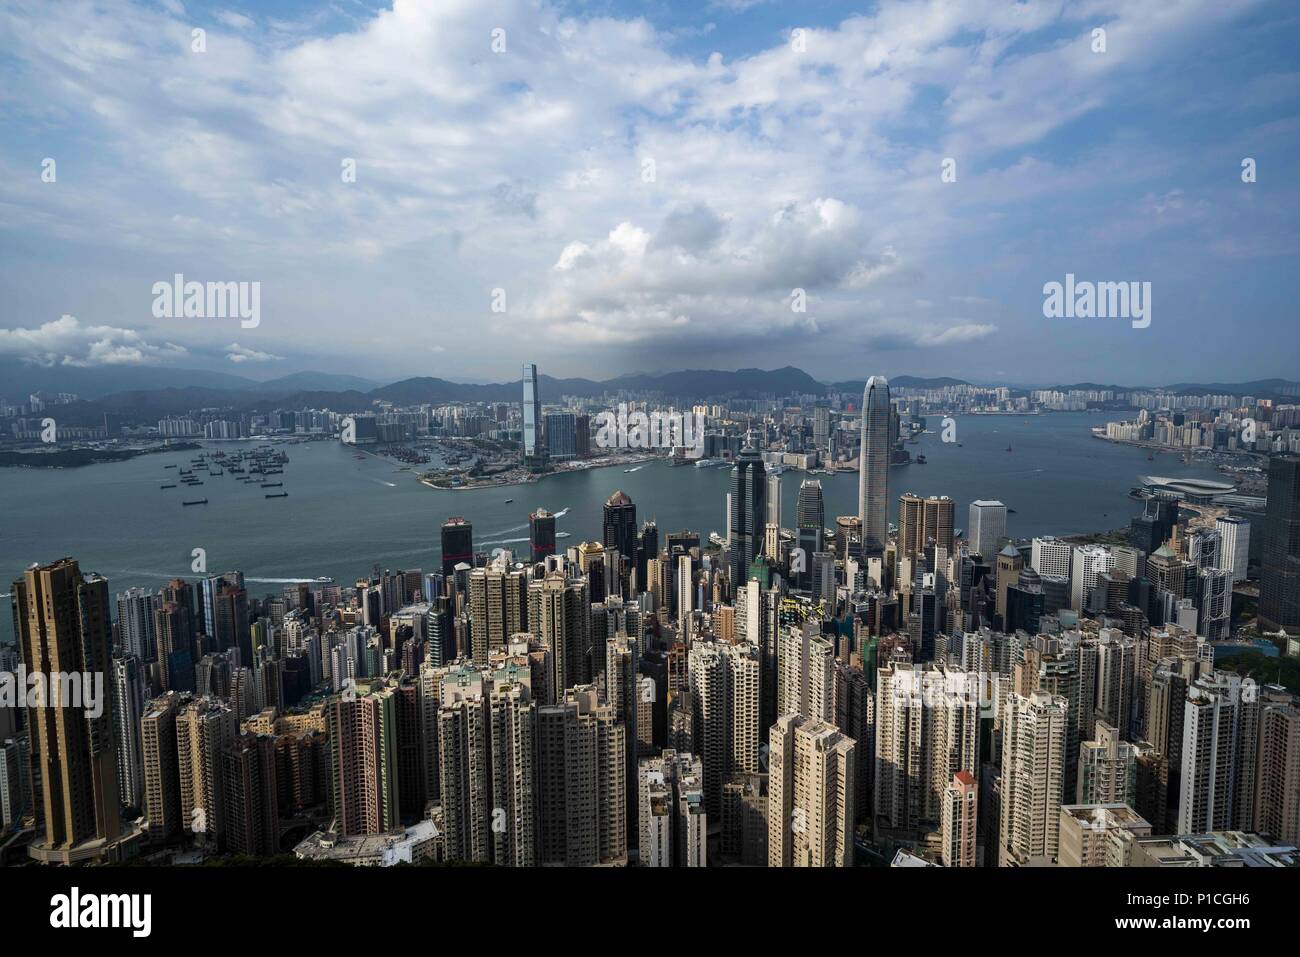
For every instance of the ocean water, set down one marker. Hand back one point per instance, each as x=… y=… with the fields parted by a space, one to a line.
x=344 y=514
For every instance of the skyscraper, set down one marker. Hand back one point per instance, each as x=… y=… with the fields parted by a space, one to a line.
x=620 y=529
x=748 y=511
x=923 y=522
x=362 y=726
x=128 y=706
x=958 y=825
x=457 y=544
x=811 y=788
x=1033 y=765
x=810 y=517
x=541 y=534
x=986 y=525
x=1234 y=534
x=724 y=684
x=1220 y=742
x=534 y=451
x=64 y=628
x=673 y=820
x=1279 y=591
x=873 y=465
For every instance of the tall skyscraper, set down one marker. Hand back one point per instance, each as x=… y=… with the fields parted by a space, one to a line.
x=362 y=727
x=1279 y=589
x=923 y=522
x=162 y=783
x=811 y=789
x=873 y=465
x=620 y=528
x=1234 y=534
x=128 y=706
x=1107 y=769
x=724 y=685
x=457 y=544
x=748 y=511
x=64 y=625
x=810 y=519
x=541 y=534
x=135 y=621
x=1277 y=803
x=1033 y=765
x=204 y=727
x=986 y=526
x=534 y=450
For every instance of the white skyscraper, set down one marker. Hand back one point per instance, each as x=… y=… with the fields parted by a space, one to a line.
x=1051 y=556
x=672 y=819
x=873 y=465
x=1087 y=562
x=1235 y=536
x=986 y=525
x=1033 y=766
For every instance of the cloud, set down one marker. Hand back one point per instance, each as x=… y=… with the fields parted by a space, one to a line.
x=65 y=341
x=237 y=354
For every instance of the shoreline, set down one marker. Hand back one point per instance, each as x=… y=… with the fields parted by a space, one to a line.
x=511 y=479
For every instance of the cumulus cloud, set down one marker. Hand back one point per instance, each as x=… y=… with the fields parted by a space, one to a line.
x=65 y=341
x=237 y=354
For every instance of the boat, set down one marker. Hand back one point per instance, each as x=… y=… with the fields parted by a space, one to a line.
x=509 y=500
x=563 y=534
x=1011 y=511
x=704 y=463
x=324 y=578
x=920 y=460
x=1008 y=448
x=169 y=466
x=272 y=485
x=277 y=495
x=200 y=501
x=166 y=486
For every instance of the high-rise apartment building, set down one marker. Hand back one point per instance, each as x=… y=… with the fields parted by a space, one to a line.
x=1107 y=768
x=724 y=685
x=1277 y=798
x=162 y=783
x=1279 y=587
x=1219 y=754
x=811 y=788
x=1033 y=765
x=204 y=728
x=64 y=625
x=957 y=827
x=363 y=743
x=673 y=819
x=128 y=705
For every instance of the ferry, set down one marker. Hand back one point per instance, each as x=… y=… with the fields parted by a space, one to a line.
x=705 y=463
x=201 y=501
x=563 y=534
x=272 y=485
x=277 y=495
x=509 y=500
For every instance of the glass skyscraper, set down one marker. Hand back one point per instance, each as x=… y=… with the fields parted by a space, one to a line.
x=873 y=466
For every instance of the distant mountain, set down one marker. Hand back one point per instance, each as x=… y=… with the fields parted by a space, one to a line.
x=899 y=382
x=1263 y=388
x=314 y=382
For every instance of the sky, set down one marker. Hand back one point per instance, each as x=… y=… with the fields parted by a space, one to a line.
x=605 y=187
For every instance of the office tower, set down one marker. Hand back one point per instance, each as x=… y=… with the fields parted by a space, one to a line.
x=773 y=500
x=647 y=549
x=1215 y=617
x=1279 y=590
x=673 y=820
x=128 y=705
x=1051 y=556
x=620 y=527
x=135 y=619
x=924 y=522
x=498 y=608
x=64 y=627
x=204 y=728
x=1204 y=548
x=560 y=435
x=958 y=824
x=1101 y=835
x=748 y=511
x=805 y=678
x=927 y=729
x=724 y=685
x=1155 y=525
x=810 y=811
x=1086 y=564
x=822 y=429
x=363 y=743
x=873 y=465
x=1277 y=801
x=1234 y=534
x=534 y=450
x=986 y=526
x=160 y=760
x=230 y=606
x=581 y=786
x=1026 y=603
x=1220 y=749
x=1033 y=764
x=457 y=544
x=1009 y=564
x=541 y=534
x=566 y=631
x=810 y=521
x=685 y=589
x=1107 y=768
x=250 y=799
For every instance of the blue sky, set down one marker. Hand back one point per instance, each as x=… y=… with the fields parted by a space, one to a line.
x=781 y=160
